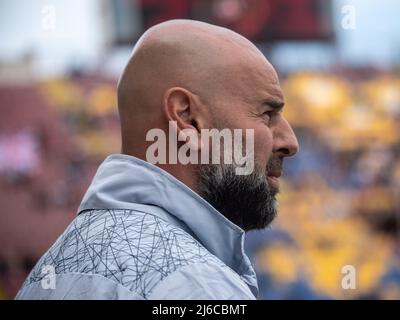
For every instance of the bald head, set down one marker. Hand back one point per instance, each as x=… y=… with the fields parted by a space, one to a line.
x=196 y=56
x=183 y=52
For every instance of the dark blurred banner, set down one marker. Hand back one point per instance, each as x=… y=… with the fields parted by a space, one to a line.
x=256 y=20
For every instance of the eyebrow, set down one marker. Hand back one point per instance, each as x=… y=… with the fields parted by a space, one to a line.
x=277 y=105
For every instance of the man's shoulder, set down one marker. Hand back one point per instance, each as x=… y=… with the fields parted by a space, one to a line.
x=135 y=249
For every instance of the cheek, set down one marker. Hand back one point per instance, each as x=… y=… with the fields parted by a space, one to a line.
x=263 y=140
x=263 y=145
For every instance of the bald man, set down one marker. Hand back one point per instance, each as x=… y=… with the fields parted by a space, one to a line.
x=159 y=224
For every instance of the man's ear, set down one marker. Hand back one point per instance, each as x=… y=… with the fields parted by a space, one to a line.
x=183 y=112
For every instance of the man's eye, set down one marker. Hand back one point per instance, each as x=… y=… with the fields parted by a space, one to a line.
x=269 y=113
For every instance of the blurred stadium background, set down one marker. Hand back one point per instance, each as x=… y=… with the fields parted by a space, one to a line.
x=340 y=203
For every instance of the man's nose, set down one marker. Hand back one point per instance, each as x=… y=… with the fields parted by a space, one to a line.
x=285 y=141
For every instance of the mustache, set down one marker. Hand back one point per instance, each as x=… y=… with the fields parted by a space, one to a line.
x=275 y=165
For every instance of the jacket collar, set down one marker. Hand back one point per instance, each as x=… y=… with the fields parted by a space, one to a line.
x=123 y=182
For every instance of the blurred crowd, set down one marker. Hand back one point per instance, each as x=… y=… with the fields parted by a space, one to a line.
x=340 y=199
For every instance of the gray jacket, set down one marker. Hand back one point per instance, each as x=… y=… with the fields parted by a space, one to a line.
x=142 y=234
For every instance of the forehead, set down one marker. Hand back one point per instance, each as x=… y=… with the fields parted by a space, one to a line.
x=241 y=71
x=260 y=81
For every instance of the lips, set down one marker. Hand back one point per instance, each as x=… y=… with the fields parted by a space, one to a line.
x=273 y=183
x=275 y=174
x=273 y=180
x=274 y=171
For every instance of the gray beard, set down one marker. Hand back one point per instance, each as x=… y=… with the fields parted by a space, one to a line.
x=246 y=200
